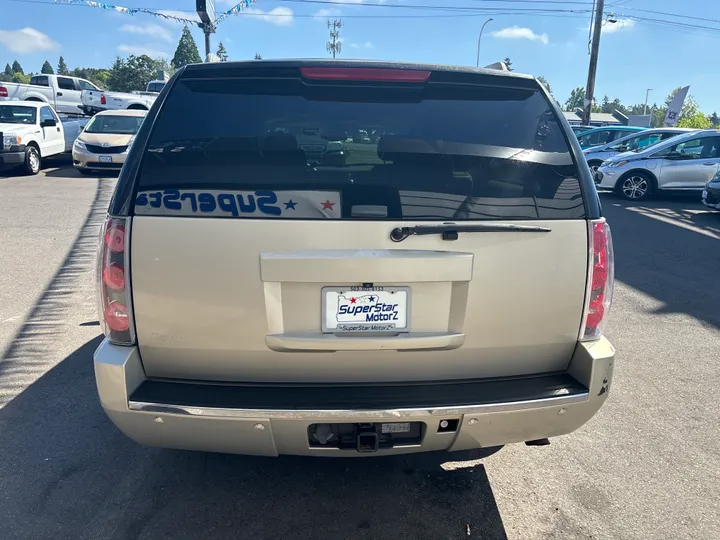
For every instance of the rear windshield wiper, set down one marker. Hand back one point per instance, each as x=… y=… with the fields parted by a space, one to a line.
x=450 y=231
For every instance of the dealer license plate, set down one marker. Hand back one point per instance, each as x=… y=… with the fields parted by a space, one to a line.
x=365 y=309
x=105 y=159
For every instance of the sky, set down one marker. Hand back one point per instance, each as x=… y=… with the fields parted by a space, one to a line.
x=644 y=48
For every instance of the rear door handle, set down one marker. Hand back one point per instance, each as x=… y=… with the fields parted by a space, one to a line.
x=59 y=93
x=413 y=341
x=709 y=163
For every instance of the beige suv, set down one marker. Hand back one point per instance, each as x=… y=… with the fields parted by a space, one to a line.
x=444 y=287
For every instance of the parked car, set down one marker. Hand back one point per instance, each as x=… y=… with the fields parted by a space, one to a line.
x=635 y=142
x=31 y=131
x=105 y=141
x=603 y=135
x=685 y=162
x=60 y=91
x=256 y=303
x=578 y=129
x=711 y=193
x=94 y=101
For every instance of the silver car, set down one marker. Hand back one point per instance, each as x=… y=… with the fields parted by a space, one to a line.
x=685 y=162
x=634 y=142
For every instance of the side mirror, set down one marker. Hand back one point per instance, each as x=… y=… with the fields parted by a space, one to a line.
x=48 y=123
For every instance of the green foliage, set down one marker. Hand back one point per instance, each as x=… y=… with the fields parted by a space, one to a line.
x=47 y=68
x=62 y=68
x=17 y=68
x=508 y=63
x=222 y=52
x=8 y=70
x=257 y=56
x=575 y=101
x=99 y=77
x=714 y=119
x=696 y=121
x=133 y=73
x=187 y=51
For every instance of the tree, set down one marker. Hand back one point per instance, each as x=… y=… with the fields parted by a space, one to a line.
x=222 y=52
x=62 y=68
x=132 y=73
x=543 y=81
x=715 y=119
x=257 y=56
x=187 y=51
x=576 y=99
x=97 y=76
x=508 y=63
x=8 y=70
x=17 y=68
x=47 y=68
x=696 y=121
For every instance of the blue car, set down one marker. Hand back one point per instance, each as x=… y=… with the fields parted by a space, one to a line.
x=603 y=135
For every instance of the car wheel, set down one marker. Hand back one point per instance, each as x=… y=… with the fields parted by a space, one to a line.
x=32 y=160
x=636 y=186
x=594 y=166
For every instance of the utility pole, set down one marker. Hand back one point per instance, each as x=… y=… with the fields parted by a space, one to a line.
x=334 y=46
x=477 y=62
x=206 y=11
x=590 y=89
x=646 y=98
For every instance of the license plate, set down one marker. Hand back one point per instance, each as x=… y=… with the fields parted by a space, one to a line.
x=704 y=196
x=365 y=309
x=105 y=159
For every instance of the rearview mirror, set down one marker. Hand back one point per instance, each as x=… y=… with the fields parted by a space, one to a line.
x=48 y=123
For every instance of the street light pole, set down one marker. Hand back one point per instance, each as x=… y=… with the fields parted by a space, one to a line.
x=646 y=98
x=477 y=62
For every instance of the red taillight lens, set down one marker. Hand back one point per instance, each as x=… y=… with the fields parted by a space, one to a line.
x=116 y=317
x=601 y=280
x=103 y=101
x=114 y=277
x=115 y=239
x=3 y=91
x=115 y=307
x=364 y=74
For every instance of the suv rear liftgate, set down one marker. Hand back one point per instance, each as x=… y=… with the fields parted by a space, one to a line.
x=367 y=256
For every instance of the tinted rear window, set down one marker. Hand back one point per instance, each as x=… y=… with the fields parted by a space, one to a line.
x=436 y=152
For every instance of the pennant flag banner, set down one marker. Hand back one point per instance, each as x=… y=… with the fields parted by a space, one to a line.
x=131 y=11
x=242 y=6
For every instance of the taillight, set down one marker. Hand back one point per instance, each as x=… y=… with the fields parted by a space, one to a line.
x=600 y=281
x=115 y=308
x=365 y=74
x=3 y=91
x=103 y=101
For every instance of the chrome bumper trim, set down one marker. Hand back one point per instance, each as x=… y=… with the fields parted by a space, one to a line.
x=556 y=401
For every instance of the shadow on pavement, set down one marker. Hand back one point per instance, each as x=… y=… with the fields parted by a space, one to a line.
x=657 y=254
x=27 y=354
x=66 y=472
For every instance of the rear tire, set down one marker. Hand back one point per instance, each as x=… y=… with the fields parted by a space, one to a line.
x=635 y=186
x=32 y=161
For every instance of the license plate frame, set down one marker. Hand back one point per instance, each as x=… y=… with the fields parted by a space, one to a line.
x=105 y=159
x=331 y=297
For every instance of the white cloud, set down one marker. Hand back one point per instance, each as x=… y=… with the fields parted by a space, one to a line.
x=621 y=24
x=366 y=45
x=27 y=40
x=516 y=32
x=282 y=16
x=149 y=29
x=138 y=50
x=326 y=13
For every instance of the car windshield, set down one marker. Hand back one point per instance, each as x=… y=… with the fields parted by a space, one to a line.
x=17 y=114
x=118 y=125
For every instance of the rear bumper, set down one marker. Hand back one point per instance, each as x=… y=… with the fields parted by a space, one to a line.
x=275 y=420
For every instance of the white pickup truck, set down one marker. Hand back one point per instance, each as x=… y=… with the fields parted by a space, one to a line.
x=94 y=101
x=31 y=131
x=63 y=93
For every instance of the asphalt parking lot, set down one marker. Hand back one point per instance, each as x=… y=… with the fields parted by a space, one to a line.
x=646 y=467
